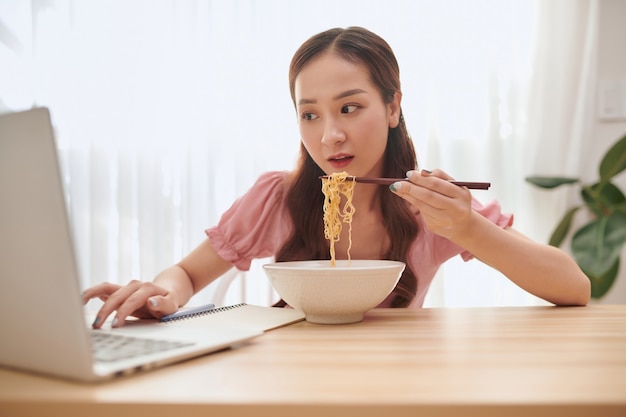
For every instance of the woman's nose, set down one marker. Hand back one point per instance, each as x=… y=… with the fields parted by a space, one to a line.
x=333 y=134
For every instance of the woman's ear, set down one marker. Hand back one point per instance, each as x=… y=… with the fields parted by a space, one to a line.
x=394 y=110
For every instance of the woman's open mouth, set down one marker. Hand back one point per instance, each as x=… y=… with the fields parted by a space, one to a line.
x=340 y=161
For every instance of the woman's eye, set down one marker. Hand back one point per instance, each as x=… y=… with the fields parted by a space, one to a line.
x=309 y=116
x=349 y=108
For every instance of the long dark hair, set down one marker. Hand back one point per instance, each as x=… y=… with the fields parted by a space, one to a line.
x=304 y=198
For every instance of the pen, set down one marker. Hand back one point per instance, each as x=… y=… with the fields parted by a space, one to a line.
x=188 y=312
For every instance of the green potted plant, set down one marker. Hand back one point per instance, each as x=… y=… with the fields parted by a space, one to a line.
x=596 y=245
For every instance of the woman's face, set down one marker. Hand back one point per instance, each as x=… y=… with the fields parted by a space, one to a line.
x=342 y=117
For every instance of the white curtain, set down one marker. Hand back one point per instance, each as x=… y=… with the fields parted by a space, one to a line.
x=540 y=114
x=166 y=111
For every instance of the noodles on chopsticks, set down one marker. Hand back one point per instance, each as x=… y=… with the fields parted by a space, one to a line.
x=334 y=186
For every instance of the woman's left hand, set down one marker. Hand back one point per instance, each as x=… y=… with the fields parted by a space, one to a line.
x=446 y=208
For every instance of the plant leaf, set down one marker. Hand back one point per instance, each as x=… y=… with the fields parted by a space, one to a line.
x=562 y=229
x=602 y=198
x=598 y=244
x=620 y=208
x=591 y=199
x=614 y=161
x=610 y=195
x=550 y=182
x=601 y=284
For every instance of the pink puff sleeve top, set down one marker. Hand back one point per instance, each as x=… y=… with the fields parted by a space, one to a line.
x=258 y=224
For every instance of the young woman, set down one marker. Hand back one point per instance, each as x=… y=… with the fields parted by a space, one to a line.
x=345 y=85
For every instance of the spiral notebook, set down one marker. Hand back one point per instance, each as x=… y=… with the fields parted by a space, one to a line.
x=42 y=321
x=210 y=318
x=241 y=315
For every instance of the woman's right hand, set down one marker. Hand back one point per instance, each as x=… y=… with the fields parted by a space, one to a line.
x=137 y=299
x=172 y=288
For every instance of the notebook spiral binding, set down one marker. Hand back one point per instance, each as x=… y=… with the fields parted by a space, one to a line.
x=194 y=314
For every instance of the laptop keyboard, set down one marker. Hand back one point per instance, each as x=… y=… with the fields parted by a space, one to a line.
x=110 y=347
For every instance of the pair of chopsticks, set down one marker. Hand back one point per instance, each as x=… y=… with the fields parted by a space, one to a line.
x=389 y=181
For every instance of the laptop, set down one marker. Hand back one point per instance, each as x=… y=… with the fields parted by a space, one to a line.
x=43 y=324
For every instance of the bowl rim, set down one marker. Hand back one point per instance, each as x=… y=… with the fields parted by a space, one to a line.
x=342 y=265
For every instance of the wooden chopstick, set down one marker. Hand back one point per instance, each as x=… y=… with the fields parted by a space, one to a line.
x=389 y=181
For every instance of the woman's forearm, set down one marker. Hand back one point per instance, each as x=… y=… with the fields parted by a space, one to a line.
x=194 y=272
x=542 y=270
x=176 y=280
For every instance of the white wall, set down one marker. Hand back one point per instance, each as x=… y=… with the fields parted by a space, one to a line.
x=611 y=65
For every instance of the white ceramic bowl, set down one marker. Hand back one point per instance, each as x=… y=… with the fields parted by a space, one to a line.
x=334 y=294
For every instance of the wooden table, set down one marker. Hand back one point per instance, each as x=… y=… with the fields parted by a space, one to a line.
x=508 y=361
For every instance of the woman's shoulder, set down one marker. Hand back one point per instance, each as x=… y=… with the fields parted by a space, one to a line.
x=271 y=183
x=274 y=177
x=254 y=226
